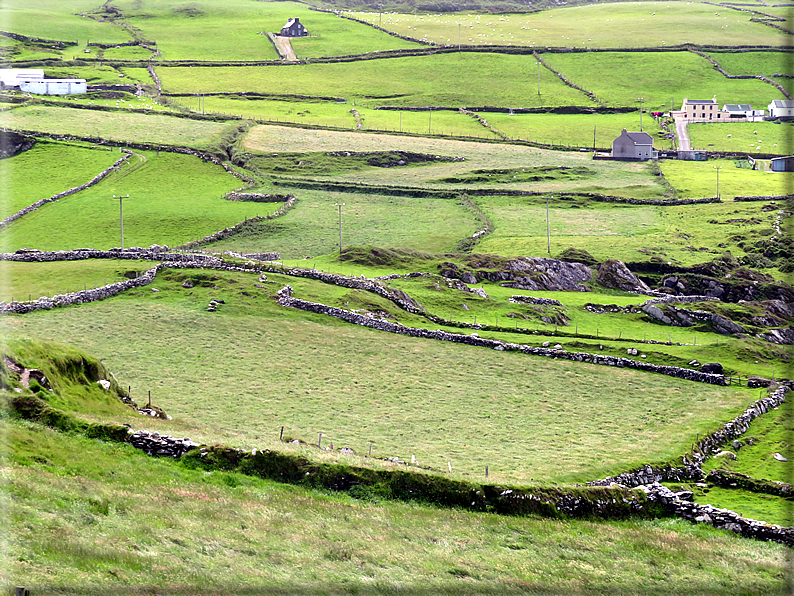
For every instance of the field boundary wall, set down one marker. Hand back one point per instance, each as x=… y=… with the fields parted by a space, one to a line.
x=68 y=192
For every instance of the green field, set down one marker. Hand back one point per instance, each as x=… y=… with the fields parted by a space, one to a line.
x=25 y=281
x=67 y=165
x=174 y=198
x=52 y=19
x=438 y=401
x=630 y=25
x=755 y=63
x=660 y=78
x=576 y=130
x=410 y=81
x=743 y=137
x=699 y=179
x=107 y=518
x=118 y=126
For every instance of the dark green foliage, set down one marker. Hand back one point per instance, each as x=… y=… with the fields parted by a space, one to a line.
x=577 y=255
x=536 y=174
x=374 y=256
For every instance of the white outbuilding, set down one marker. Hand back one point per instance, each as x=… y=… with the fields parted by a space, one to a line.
x=53 y=86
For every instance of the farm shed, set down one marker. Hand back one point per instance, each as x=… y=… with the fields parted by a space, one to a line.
x=692 y=155
x=294 y=28
x=636 y=146
x=53 y=86
x=783 y=164
x=702 y=110
x=738 y=111
x=781 y=108
x=11 y=77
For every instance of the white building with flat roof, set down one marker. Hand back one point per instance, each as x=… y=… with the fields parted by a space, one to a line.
x=53 y=86
x=11 y=77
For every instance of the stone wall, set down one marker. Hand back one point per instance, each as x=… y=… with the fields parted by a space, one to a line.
x=286 y=299
x=66 y=193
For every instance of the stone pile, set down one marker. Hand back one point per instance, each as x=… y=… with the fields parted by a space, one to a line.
x=521 y=299
x=155 y=444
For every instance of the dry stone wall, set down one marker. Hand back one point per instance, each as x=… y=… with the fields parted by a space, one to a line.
x=66 y=193
x=285 y=299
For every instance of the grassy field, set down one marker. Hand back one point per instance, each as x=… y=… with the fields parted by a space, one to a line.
x=312 y=228
x=440 y=402
x=755 y=63
x=623 y=179
x=699 y=179
x=615 y=25
x=409 y=81
x=682 y=234
x=66 y=165
x=574 y=129
x=659 y=78
x=174 y=198
x=739 y=137
x=191 y=31
x=23 y=281
x=52 y=19
x=108 y=519
x=118 y=126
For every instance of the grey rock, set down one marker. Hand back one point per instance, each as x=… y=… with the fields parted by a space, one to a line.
x=468 y=277
x=714 y=368
x=725 y=326
x=615 y=274
x=656 y=313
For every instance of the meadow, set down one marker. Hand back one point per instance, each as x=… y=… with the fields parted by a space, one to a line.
x=407 y=81
x=67 y=165
x=662 y=79
x=755 y=63
x=699 y=179
x=616 y=178
x=743 y=137
x=173 y=199
x=613 y=25
x=437 y=401
x=52 y=19
x=107 y=518
x=192 y=32
x=576 y=130
x=116 y=125
x=23 y=281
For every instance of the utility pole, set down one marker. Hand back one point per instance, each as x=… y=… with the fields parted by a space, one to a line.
x=640 y=98
x=538 y=78
x=458 y=37
x=340 y=205
x=594 y=139
x=429 y=119
x=121 y=215
x=718 y=181
x=380 y=13
x=548 y=229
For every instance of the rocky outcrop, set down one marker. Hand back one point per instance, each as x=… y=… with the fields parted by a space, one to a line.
x=12 y=143
x=614 y=274
x=540 y=273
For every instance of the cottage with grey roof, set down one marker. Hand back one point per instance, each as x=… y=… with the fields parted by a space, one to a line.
x=781 y=108
x=294 y=28
x=634 y=146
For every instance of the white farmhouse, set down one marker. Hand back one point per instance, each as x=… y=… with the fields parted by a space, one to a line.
x=781 y=108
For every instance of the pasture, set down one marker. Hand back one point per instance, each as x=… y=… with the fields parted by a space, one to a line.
x=173 y=199
x=699 y=179
x=440 y=402
x=408 y=81
x=85 y=509
x=755 y=63
x=614 y=25
x=685 y=234
x=743 y=137
x=660 y=78
x=66 y=164
x=53 y=19
x=115 y=126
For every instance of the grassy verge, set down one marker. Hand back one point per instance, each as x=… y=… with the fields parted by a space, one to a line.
x=89 y=517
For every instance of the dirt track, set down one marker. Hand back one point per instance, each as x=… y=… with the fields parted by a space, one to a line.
x=284 y=47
